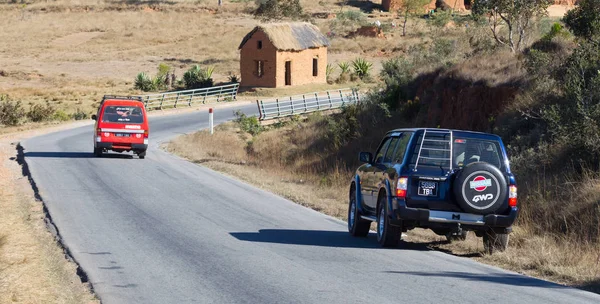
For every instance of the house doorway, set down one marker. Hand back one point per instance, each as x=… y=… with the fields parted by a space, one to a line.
x=288 y=73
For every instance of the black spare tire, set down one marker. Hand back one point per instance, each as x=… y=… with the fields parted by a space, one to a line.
x=480 y=188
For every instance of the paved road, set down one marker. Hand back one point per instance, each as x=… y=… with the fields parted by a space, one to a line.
x=162 y=230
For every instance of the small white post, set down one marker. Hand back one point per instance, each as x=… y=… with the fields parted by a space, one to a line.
x=210 y=120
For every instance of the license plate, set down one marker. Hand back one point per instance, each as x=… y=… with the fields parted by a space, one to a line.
x=427 y=188
x=122 y=134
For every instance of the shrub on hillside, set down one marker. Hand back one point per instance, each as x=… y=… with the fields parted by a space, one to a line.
x=248 y=124
x=144 y=83
x=61 y=115
x=584 y=20
x=39 y=113
x=79 y=115
x=161 y=81
x=279 y=9
x=11 y=112
x=196 y=77
x=362 y=68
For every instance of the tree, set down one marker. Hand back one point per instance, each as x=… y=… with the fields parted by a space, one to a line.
x=516 y=15
x=279 y=9
x=408 y=7
x=584 y=20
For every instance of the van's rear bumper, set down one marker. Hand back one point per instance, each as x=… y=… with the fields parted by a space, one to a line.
x=426 y=216
x=123 y=146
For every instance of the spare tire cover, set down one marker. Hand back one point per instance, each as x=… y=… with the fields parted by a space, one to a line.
x=480 y=188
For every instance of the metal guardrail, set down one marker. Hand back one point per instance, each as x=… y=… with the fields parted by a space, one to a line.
x=306 y=103
x=189 y=97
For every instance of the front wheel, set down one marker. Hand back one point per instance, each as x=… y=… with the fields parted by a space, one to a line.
x=387 y=235
x=356 y=225
x=495 y=242
x=97 y=152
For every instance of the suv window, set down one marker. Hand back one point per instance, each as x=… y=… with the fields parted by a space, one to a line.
x=123 y=114
x=467 y=150
x=390 y=150
x=382 y=149
x=401 y=148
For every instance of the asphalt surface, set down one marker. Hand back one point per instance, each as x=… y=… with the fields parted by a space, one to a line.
x=162 y=230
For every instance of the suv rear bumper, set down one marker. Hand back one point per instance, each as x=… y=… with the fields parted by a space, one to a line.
x=425 y=216
x=109 y=146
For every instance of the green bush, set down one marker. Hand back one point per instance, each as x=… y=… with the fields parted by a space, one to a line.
x=79 y=115
x=61 y=115
x=234 y=78
x=584 y=20
x=362 y=68
x=248 y=124
x=279 y=9
x=196 y=77
x=11 y=112
x=328 y=71
x=39 y=113
x=144 y=83
x=441 y=18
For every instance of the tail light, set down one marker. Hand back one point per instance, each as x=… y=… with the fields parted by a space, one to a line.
x=512 y=196
x=145 y=133
x=401 y=187
x=98 y=132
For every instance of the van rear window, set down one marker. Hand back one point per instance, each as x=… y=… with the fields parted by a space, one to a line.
x=123 y=114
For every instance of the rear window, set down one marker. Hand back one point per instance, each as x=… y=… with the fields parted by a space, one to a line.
x=467 y=150
x=123 y=114
x=436 y=152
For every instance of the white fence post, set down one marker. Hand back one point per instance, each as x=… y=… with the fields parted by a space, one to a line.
x=210 y=120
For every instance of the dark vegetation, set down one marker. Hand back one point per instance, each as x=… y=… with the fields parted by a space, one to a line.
x=12 y=113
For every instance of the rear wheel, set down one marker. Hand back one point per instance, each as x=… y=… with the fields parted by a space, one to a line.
x=97 y=152
x=142 y=155
x=494 y=242
x=356 y=225
x=387 y=235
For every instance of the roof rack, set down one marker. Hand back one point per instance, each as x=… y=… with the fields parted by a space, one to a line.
x=436 y=143
x=137 y=98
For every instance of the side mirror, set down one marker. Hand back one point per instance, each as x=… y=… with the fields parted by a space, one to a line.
x=365 y=157
x=94 y=117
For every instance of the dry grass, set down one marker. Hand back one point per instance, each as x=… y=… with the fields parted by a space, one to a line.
x=267 y=162
x=33 y=269
x=288 y=161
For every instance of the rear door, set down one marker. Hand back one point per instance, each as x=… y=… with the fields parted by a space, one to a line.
x=123 y=123
x=430 y=182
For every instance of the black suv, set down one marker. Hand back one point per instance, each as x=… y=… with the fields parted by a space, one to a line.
x=449 y=181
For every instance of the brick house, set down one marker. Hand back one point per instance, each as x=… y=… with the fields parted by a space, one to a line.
x=282 y=54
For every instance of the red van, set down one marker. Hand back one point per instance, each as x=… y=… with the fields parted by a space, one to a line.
x=121 y=125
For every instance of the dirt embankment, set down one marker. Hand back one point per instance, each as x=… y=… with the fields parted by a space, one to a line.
x=464 y=97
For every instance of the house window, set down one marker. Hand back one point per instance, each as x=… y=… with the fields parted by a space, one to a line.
x=259 y=44
x=315 y=67
x=259 y=68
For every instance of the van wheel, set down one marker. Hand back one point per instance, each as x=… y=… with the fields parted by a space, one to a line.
x=142 y=155
x=98 y=152
x=387 y=235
